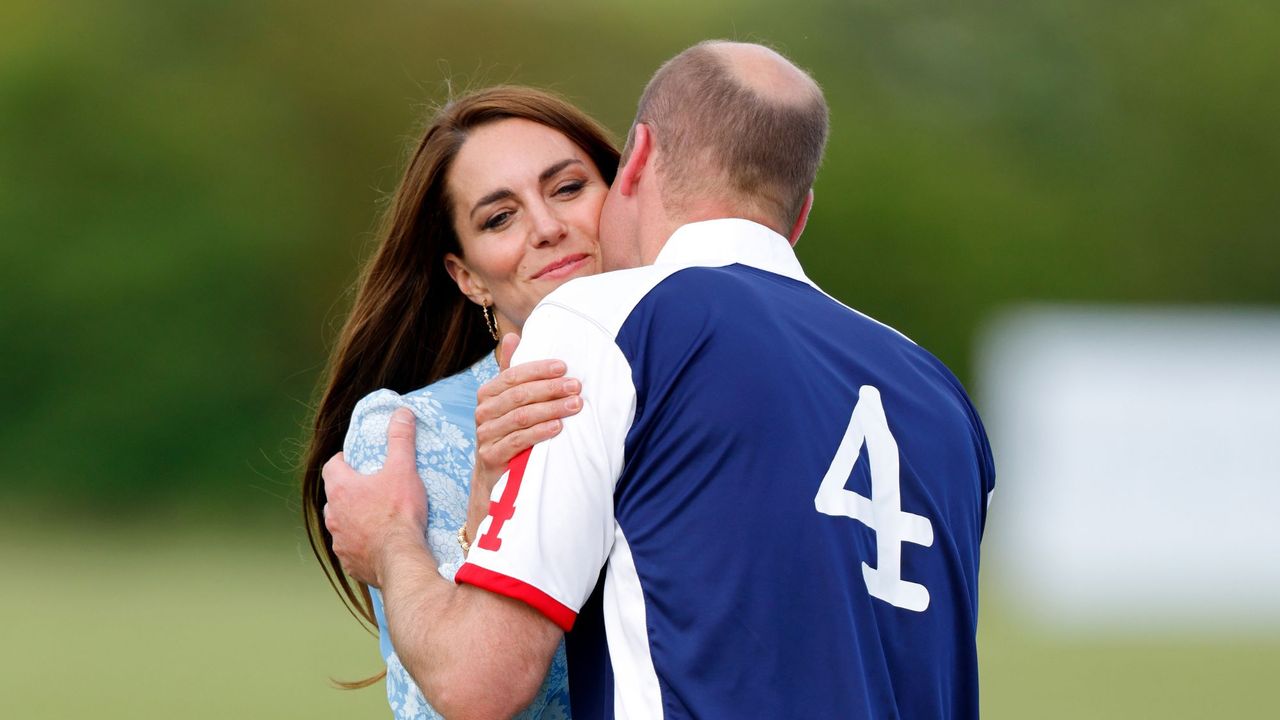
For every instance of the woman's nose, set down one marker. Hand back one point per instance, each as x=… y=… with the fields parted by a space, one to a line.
x=548 y=227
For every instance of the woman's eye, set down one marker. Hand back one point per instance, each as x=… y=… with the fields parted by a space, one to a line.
x=570 y=188
x=497 y=220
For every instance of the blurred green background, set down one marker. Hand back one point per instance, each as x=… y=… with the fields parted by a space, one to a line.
x=187 y=190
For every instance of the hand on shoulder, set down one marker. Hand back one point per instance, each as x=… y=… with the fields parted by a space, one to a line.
x=367 y=514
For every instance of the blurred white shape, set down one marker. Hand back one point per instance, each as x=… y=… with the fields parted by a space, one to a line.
x=1138 y=482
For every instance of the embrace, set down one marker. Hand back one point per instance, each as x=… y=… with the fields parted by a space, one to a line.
x=607 y=452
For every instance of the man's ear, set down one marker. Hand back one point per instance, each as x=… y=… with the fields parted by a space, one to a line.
x=467 y=282
x=629 y=175
x=798 y=228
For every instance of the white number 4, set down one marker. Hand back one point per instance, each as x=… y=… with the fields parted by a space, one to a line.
x=882 y=512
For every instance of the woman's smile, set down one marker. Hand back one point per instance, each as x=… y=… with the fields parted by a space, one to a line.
x=565 y=267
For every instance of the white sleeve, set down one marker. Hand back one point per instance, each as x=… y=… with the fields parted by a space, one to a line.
x=550 y=526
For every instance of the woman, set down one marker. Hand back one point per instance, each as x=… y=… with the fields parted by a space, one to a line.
x=499 y=205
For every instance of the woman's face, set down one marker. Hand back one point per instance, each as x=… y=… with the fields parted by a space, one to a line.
x=526 y=209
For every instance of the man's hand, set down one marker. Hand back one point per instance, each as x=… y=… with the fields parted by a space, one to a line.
x=370 y=515
x=458 y=643
x=519 y=408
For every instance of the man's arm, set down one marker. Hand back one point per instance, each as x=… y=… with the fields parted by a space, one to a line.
x=473 y=653
x=535 y=559
x=520 y=407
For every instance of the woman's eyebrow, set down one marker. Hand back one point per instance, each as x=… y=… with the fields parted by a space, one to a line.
x=504 y=193
x=493 y=197
x=557 y=167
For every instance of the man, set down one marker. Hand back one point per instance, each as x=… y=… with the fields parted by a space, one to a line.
x=769 y=506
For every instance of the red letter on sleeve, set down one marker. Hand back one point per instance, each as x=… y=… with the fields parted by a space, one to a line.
x=504 y=507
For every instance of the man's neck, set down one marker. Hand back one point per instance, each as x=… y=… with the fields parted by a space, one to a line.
x=656 y=236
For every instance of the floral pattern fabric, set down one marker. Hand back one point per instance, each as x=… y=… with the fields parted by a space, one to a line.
x=445 y=445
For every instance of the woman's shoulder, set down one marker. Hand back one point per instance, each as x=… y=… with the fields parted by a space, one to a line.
x=442 y=404
x=463 y=383
x=374 y=410
x=365 y=445
x=429 y=397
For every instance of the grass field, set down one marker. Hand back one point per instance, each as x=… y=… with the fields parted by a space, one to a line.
x=163 y=625
x=214 y=624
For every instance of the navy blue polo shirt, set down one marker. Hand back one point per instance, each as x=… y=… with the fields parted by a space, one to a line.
x=770 y=506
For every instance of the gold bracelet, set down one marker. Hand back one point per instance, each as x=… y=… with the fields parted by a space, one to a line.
x=463 y=542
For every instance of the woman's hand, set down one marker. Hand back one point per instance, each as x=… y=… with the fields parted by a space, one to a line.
x=519 y=408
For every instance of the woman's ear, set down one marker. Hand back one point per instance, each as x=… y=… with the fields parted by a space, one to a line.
x=467 y=281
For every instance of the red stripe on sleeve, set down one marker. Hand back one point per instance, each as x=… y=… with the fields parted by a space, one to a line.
x=555 y=611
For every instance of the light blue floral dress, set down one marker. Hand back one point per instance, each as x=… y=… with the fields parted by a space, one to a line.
x=445 y=442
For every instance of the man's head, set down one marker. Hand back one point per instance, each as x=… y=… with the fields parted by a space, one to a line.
x=723 y=129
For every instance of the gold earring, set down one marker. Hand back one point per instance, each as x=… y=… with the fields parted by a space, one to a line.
x=489 y=322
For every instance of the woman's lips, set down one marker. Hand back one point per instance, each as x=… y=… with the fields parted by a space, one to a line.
x=562 y=268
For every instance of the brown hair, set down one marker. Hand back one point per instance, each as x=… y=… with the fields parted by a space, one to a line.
x=410 y=325
x=718 y=133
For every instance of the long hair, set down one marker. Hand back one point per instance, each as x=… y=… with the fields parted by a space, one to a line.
x=410 y=325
